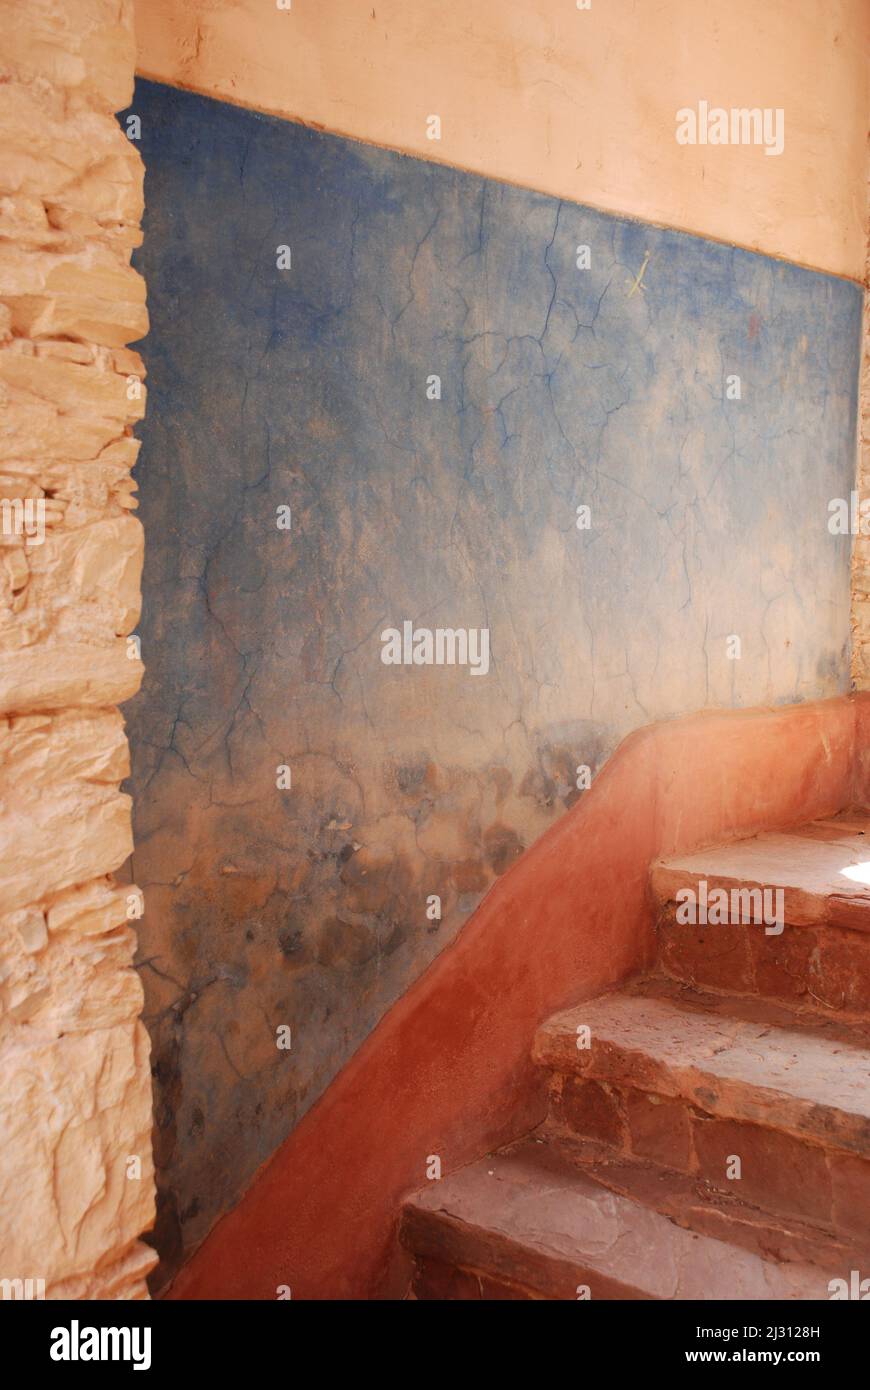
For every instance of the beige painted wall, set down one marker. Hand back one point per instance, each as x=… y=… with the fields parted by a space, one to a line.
x=861 y=546
x=75 y=1099
x=578 y=103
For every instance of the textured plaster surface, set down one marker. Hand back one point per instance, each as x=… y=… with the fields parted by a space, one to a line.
x=306 y=387
x=579 y=103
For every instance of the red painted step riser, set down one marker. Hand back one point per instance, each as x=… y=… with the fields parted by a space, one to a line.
x=435 y=1281
x=779 y=1173
x=822 y=968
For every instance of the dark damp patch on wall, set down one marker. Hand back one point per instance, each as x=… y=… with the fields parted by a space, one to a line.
x=452 y=505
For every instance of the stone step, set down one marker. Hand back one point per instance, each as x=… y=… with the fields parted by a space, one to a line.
x=524 y=1224
x=693 y=1081
x=823 y=873
x=823 y=870
x=699 y=1205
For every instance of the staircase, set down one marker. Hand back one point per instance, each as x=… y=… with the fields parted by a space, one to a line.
x=708 y=1133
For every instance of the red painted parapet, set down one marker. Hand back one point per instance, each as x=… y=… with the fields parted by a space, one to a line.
x=448 y=1070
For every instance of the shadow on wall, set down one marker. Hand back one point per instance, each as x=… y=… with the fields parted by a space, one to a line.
x=387 y=392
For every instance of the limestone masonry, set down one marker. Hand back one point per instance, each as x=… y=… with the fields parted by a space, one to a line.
x=76 y=1184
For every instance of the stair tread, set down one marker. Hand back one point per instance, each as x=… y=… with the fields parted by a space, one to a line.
x=737 y=1060
x=824 y=868
x=528 y=1217
x=756 y=1008
x=691 y=1200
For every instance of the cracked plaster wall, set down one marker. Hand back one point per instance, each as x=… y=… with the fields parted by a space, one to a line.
x=578 y=103
x=75 y=1101
x=306 y=387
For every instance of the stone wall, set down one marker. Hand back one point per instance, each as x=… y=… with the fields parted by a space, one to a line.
x=76 y=1176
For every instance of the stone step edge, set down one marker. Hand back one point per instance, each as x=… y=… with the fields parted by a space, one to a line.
x=773 y=1107
x=801 y=907
x=739 y=1220
x=803 y=1013
x=684 y=1265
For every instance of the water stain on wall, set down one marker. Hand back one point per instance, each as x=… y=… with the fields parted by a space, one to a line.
x=310 y=387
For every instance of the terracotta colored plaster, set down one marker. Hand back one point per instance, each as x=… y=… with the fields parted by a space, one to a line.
x=448 y=1071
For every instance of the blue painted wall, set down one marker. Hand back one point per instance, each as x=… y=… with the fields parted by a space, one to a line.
x=306 y=387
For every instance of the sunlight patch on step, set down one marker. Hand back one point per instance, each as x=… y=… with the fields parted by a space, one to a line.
x=859 y=873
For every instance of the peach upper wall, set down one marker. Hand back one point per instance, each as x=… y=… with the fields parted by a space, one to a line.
x=577 y=103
